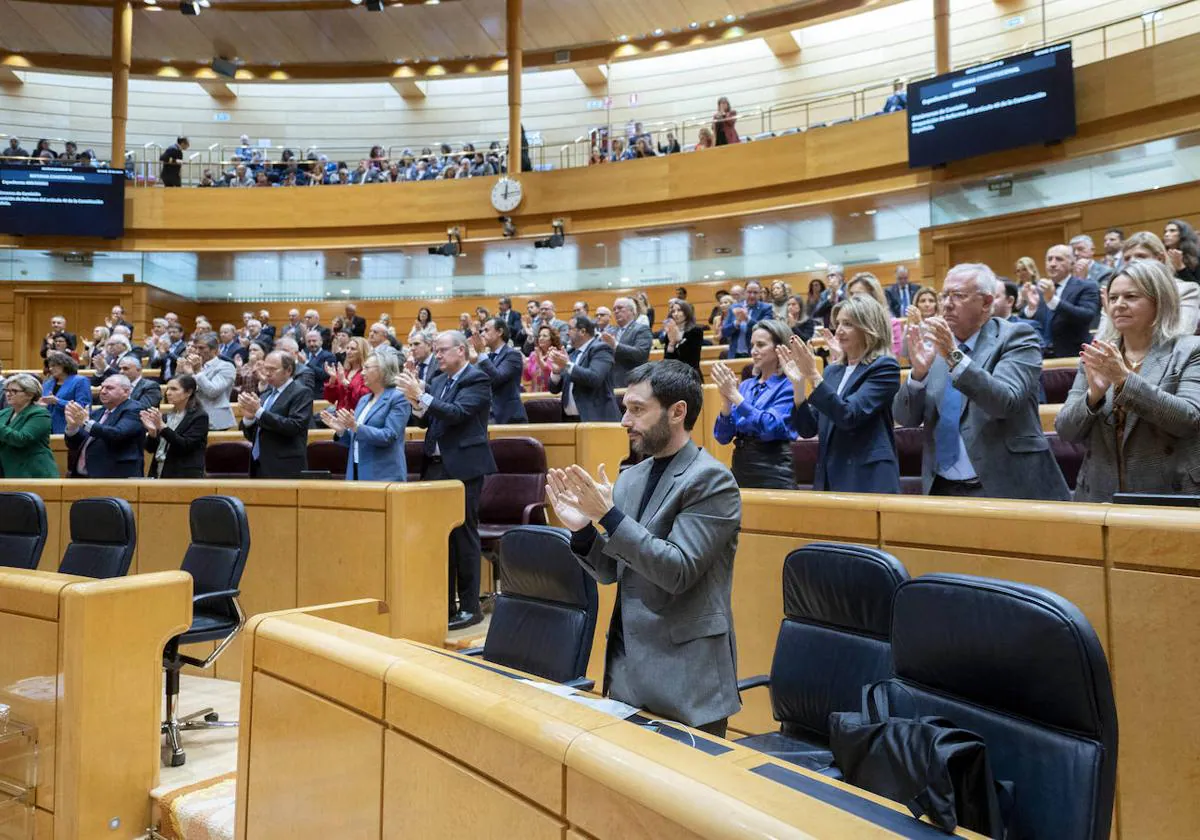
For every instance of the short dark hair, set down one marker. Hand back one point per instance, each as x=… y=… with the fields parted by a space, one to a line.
x=1010 y=289
x=681 y=292
x=671 y=381
x=63 y=360
x=1118 y=232
x=501 y=326
x=583 y=322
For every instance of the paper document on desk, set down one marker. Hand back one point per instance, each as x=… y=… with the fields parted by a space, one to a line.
x=601 y=704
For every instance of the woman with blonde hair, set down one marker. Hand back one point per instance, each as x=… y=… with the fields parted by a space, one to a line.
x=866 y=283
x=1144 y=245
x=1135 y=404
x=345 y=385
x=850 y=407
x=704 y=140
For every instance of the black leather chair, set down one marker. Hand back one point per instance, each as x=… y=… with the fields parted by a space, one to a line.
x=1023 y=668
x=837 y=605
x=544 y=619
x=103 y=537
x=215 y=560
x=22 y=530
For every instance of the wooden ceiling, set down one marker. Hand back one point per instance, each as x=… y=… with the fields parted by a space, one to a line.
x=452 y=29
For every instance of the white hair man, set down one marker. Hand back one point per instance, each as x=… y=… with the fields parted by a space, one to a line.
x=1068 y=304
x=1085 y=249
x=629 y=340
x=974 y=389
x=109 y=441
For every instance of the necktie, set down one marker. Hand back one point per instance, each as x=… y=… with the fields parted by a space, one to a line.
x=946 y=434
x=266 y=404
x=81 y=467
x=903 y=300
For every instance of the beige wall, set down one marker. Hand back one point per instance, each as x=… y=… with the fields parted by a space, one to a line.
x=345 y=119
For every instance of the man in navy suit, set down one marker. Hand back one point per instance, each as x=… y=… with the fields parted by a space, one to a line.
x=142 y=391
x=1068 y=304
x=165 y=358
x=513 y=318
x=276 y=422
x=584 y=377
x=490 y=351
x=741 y=319
x=110 y=440
x=454 y=409
x=900 y=296
x=318 y=357
x=230 y=347
x=898 y=101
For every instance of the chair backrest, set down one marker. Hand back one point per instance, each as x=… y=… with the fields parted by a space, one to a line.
x=22 y=530
x=805 y=452
x=544 y=619
x=1057 y=382
x=228 y=459
x=327 y=456
x=1022 y=667
x=519 y=480
x=103 y=537
x=217 y=555
x=544 y=410
x=834 y=638
x=414 y=457
x=1068 y=455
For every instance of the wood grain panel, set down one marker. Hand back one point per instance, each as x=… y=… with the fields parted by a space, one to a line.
x=1163 y=538
x=29 y=684
x=424 y=793
x=296 y=791
x=332 y=567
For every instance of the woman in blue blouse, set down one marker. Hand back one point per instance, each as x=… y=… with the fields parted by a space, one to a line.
x=63 y=385
x=755 y=413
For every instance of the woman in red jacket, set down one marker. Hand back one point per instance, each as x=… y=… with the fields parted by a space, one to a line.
x=724 y=122
x=345 y=385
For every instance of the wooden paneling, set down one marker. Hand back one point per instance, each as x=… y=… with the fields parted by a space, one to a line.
x=29 y=676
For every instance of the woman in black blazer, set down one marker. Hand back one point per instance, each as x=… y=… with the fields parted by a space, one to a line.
x=178 y=442
x=684 y=337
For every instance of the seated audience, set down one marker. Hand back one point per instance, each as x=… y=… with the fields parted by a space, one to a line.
x=62 y=385
x=850 y=407
x=537 y=367
x=586 y=384
x=1135 y=403
x=25 y=431
x=373 y=431
x=974 y=389
x=704 y=140
x=666 y=534
x=277 y=424
x=344 y=383
x=180 y=440
x=684 y=337
x=754 y=414
x=109 y=442
x=898 y=101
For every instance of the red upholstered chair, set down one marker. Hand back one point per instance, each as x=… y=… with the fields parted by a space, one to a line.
x=804 y=462
x=909 y=448
x=515 y=494
x=228 y=459
x=1057 y=384
x=544 y=410
x=414 y=455
x=327 y=455
x=1068 y=455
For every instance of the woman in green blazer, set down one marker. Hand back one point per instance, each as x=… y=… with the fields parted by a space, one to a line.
x=25 y=431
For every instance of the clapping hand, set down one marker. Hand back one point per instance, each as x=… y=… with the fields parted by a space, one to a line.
x=943 y=339
x=672 y=331
x=912 y=315
x=250 y=404
x=1104 y=366
x=1031 y=295
x=76 y=415
x=577 y=499
x=151 y=420
x=741 y=315
x=346 y=417
x=48 y=399
x=831 y=341
x=920 y=354
x=797 y=361
x=1175 y=256
x=332 y=421
x=332 y=372
x=609 y=338
x=410 y=386
x=1046 y=288
x=558 y=359
x=727 y=385
x=237 y=362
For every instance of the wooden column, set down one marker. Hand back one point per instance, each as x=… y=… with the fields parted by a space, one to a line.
x=122 y=52
x=512 y=45
x=941 y=35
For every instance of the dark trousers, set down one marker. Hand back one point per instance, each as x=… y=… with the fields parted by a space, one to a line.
x=464 y=543
x=946 y=487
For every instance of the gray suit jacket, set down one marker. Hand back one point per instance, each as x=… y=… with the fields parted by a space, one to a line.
x=590 y=378
x=675 y=567
x=632 y=350
x=1161 y=445
x=214 y=384
x=1000 y=425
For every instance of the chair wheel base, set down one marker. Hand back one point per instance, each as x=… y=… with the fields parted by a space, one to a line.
x=171 y=758
x=212 y=717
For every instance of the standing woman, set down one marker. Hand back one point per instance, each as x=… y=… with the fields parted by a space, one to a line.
x=1144 y=245
x=374 y=431
x=850 y=407
x=345 y=385
x=797 y=318
x=63 y=385
x=754 y=414
x=724 y=122
x=1183 y=250
x=25 y=431
x=180 y=440
x=424 y=324
x=645 y=310
x=683 y=335
x=1135 y=404
x=248 y=377
x=866 y=283
x=537 y=366
x=815 y=289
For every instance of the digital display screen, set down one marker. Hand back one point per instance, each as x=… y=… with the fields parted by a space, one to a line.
x=62 y=201
x=1015 y=101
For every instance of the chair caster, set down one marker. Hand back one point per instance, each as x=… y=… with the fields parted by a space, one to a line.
x=173 y=758
x=212 y=717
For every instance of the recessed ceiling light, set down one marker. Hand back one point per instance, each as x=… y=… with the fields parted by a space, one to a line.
x=622 y=38
x=855 y=214
x=658 y=32
x=822 y=265
x=730 y=18
x=707 y=276
x=693 y=25
x=701 y=235
x=437 y=288
x=345 y=291
x=432 y=2
x=151 y=2
x=756 y=227
x=624 y=279
x=205 y=3
x=718 y=274
x=871 y=212
x=711 y=24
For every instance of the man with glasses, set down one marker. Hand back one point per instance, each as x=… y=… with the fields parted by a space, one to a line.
x=454 y=409
x=974 y=389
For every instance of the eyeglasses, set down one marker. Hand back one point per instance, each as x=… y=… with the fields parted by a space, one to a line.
x=956 y=297
x=13 y=391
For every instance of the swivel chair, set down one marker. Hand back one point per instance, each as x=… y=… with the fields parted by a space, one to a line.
x=103 y=537
x=22 y=530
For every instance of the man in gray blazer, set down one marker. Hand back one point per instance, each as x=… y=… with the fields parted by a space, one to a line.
x=974 y=386
x=630 y=341
x=666 y=534
x=214 y=380
x=584 y=377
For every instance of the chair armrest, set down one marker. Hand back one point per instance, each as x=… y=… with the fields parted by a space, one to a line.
x=754 y=682
x=475 y=651
x=581 y=683
x=534 y=514
x=212 y=596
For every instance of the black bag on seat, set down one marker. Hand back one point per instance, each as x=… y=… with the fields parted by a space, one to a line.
x=927 y=764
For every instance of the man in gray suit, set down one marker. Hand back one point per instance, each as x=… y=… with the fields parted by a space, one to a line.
x=584 y=377
x=1085 y=249
x=974 y=386
x=214 y=380
x=629 y=340
x=666 y=534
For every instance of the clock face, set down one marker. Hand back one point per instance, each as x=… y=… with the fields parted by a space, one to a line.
x=507 y=195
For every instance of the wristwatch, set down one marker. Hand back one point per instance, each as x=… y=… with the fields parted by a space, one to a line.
x=956 y=356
